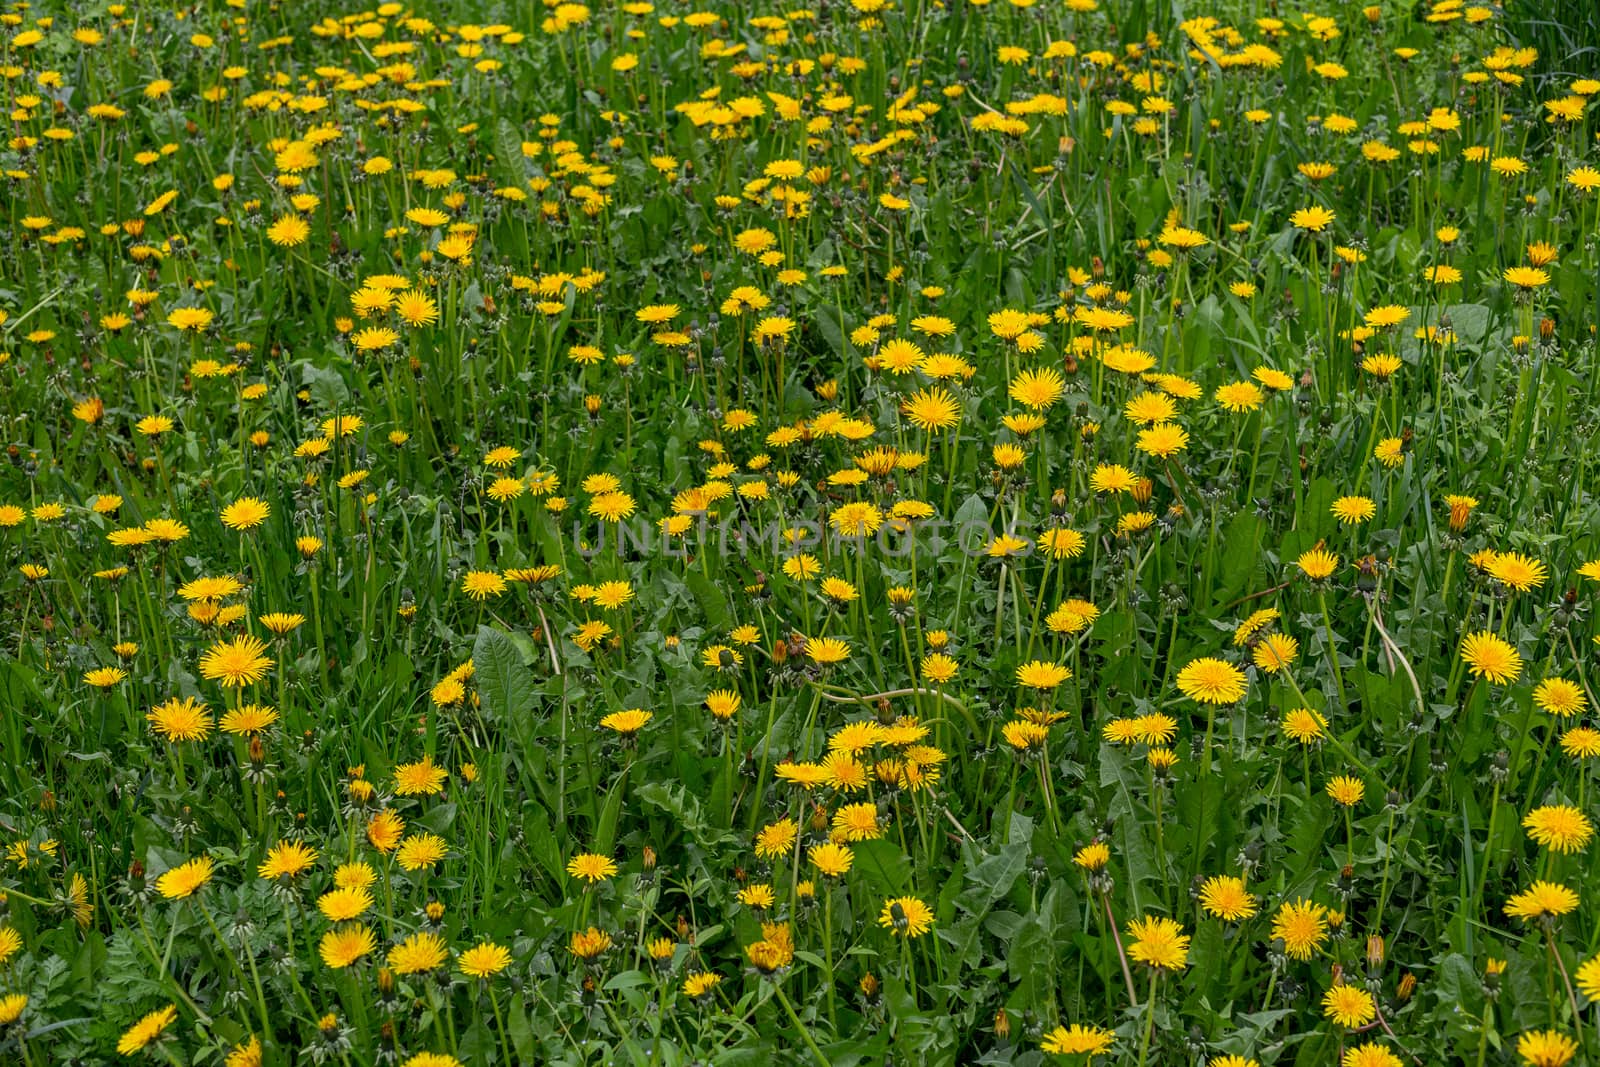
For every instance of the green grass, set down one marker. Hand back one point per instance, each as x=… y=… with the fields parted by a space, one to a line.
x=653 y=440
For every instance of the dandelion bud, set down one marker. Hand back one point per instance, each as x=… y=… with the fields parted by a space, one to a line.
x=1547 y=329
x=1142 y=489
x=1375 y=951
x=649 y=858
x=258 y=751
x=591 y=404
x=869 y=985
x=1367 y=575
x=1373 y=13
x=385 y=981
x=1492 y=970
x=1408 y=985
x=1002 y=1024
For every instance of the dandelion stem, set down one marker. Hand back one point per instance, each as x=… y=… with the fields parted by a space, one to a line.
x=1333 y=648
x=1122 y=955
x=800 y=1028
x=1150 y=1018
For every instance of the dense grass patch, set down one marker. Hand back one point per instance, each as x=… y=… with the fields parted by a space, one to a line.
x=891 y=532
